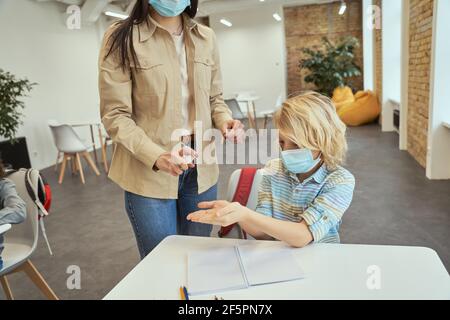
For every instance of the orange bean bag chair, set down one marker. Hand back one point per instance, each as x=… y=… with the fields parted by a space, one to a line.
x=342 y=96
x=365 y=109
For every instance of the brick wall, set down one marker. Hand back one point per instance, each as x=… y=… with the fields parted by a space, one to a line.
x=378 y=56
x=306 y=25
x=420 y=37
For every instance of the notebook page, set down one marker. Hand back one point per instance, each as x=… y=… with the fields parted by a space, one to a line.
x=213 y=271
x=269 y=265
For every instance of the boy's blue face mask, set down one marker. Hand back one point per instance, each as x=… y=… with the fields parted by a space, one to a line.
x=169 y=8
x=299 y=160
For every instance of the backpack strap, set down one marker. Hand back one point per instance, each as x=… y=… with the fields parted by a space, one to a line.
x=241 y=195
x=34 y=194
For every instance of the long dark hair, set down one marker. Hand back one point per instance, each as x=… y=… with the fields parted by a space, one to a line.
x=2 y=170
x=121 y=39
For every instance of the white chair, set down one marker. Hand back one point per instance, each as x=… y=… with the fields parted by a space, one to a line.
x=20 y=243
x=268 y=115
x=246 y=100
x=54 y=123
x=70 y=145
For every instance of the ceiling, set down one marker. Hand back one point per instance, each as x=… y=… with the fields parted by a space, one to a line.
x=92 y=9
x=208 y=7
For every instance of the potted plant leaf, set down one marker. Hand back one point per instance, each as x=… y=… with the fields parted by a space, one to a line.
x=333 y=66
x=12 y=90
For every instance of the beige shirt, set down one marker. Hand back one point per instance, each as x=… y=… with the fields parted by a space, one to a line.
x=141 y=106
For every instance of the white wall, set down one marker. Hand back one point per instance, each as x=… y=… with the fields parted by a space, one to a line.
x=63 y=62
x=438 y=161
x=392 y=47
x=368 y=47
x=253 y=54
x=36 y=44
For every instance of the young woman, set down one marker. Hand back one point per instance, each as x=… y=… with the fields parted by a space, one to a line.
x=12 y=207
x=304 y=195
x=160 y=72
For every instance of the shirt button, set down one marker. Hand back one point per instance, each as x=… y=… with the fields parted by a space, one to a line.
x=325 y=218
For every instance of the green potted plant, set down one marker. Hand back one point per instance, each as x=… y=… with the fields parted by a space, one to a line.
x=333 y=66
x=11 y=106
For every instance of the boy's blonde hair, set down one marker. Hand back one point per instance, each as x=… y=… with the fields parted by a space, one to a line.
x=310 y=121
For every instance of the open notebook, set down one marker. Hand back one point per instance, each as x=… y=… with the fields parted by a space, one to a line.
x=239 y=267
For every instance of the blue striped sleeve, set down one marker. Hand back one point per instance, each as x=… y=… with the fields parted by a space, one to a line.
x=265 y=201
x=327 y=209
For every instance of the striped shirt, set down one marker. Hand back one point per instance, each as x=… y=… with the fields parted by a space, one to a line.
x=320 y=200
x=12 y=208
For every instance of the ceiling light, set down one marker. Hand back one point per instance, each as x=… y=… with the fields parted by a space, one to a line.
x=226 y=22
x=343 y=8
x=116 y=15
x=277 y=17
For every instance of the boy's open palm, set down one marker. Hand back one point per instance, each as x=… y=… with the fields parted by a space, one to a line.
x=220 y=213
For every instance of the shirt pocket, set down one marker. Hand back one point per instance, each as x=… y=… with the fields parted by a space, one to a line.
x=149 y=89
x=149 y=77
x=202 y=72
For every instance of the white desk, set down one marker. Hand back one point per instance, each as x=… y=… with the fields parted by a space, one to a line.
x=332 y=272
x=4 y=228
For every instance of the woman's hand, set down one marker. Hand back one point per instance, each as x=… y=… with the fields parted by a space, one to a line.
x=220 y=213
x=175 y=163
x=233 y=130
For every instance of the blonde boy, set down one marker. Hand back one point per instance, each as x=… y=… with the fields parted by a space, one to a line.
x=303 y=195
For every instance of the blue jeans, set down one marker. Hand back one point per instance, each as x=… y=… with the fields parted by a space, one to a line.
x=155 y=219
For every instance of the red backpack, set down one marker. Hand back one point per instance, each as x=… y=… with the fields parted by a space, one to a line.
x=241 y=195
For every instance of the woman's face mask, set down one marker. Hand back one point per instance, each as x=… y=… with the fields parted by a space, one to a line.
x=299 y=160
x=169 y=8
